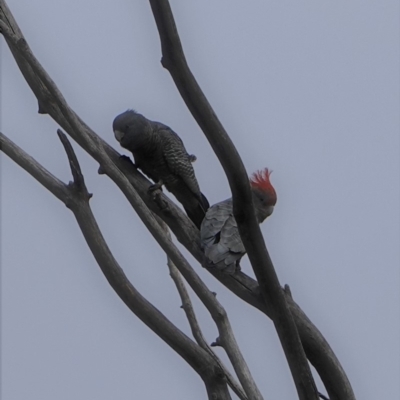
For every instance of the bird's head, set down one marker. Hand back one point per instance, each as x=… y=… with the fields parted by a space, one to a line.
x=264 y=195
x=131 y=128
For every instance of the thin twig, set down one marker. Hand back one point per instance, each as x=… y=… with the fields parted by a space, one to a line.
x=194 y=325
x=79 y=180
x=196 y=330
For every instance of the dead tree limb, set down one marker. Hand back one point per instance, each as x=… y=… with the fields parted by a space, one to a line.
x=173 y=59
x=317 y=348
x=194 y=325
x=216 y=310
x=196 y=330
x=76 y=197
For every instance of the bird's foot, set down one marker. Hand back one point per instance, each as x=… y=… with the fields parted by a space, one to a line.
x=155 y=191
x=158 y=199
x=156 y=187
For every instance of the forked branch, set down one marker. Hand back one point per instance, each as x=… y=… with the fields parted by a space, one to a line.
x=94 y=144
x=76 y=197
x=196 y=330
x=194 y=325
x=173 y=59
x=317 y=349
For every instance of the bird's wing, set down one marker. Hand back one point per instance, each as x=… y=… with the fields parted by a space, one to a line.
x=220 y=236
x=159 y=125
x=177 y=158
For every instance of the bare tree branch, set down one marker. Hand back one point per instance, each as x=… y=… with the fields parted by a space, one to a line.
x=196 y=330
x=216 y=310
x=202 y=291
x=75 y=196
x=194 y=325
x=174 y=61
x=171 y=214
x=318 y=350
x=30 y=165
x=79 y=180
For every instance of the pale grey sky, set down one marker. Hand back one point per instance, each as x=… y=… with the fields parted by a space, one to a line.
x=308 y=89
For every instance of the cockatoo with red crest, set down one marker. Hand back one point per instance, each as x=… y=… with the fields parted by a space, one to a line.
x=220 y=238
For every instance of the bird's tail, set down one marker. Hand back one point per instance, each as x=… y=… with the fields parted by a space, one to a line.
x=197 y=210
x=204 y=202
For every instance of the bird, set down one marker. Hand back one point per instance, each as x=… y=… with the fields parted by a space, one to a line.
x=219 y=235
x=161 y=155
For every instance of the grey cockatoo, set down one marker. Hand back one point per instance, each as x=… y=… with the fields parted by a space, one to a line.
x=159 y=152
x=220 y=238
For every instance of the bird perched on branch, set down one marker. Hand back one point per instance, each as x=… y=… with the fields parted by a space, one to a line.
x=159 y=152
x=219 y=234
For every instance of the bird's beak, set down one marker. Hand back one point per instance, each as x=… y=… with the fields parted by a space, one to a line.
x=118 y=135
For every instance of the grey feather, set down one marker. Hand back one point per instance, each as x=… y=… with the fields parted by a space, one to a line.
x=219 y=235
